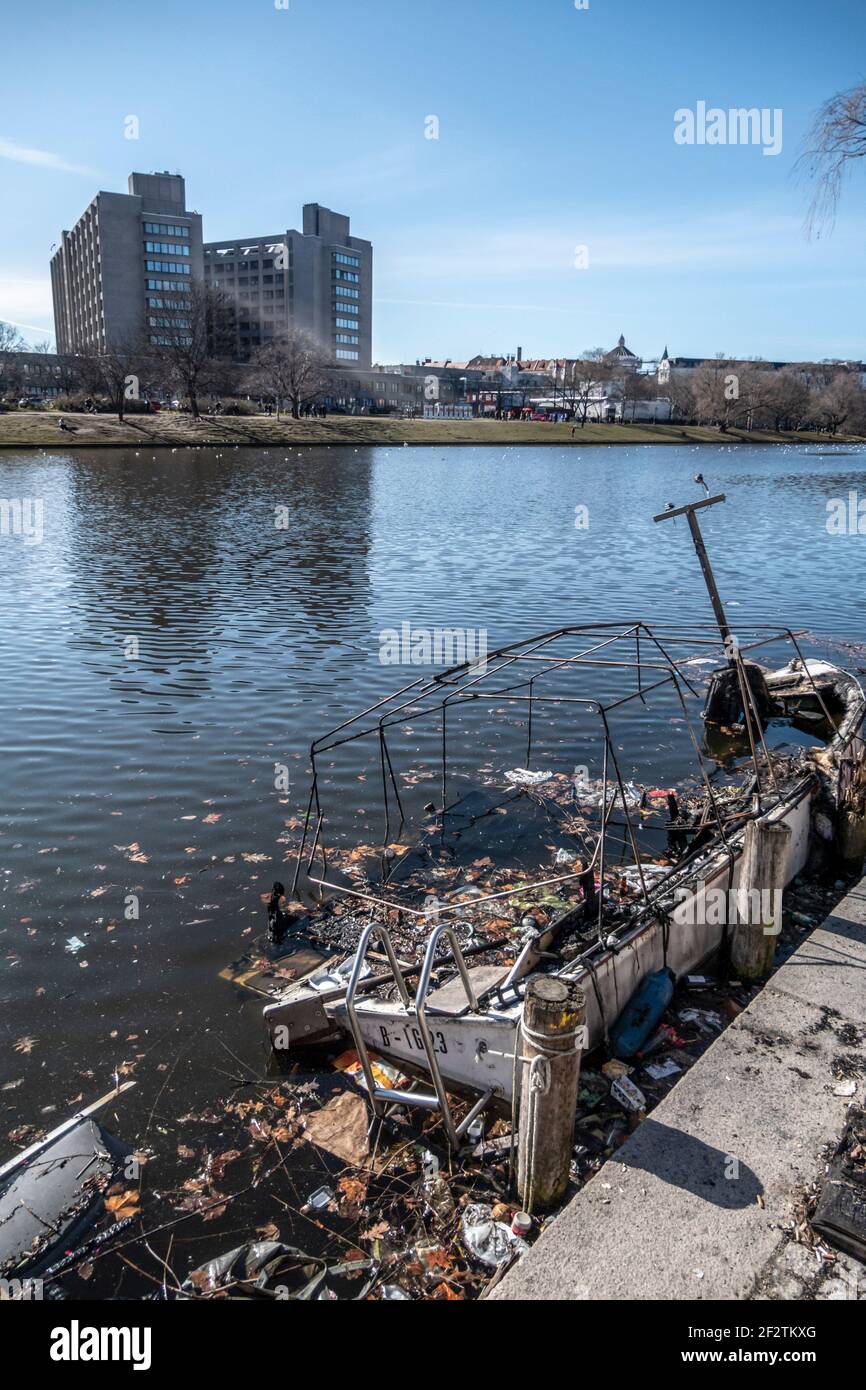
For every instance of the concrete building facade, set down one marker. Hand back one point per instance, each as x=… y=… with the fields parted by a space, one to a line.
x=319 y=279
x=126 y=266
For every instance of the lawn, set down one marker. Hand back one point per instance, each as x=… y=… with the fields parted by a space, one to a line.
x=174 y=430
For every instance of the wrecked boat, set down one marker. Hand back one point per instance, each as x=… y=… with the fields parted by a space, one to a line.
x=52 y=1193
x=780 y=742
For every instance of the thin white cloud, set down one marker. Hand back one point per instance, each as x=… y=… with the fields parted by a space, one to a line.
x=27 y=304
x=41 y=159
x=742 y=240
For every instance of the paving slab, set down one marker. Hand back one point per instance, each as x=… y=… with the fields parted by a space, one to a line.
x=696 y=1203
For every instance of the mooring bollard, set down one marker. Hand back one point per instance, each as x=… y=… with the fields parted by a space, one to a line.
x=551 y=1041
x=762 y=878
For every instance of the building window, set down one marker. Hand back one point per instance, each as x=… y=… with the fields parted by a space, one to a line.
x=344 y=292
x=167 y=267
x=346 y=309
x=165 y=229
x=350 y=275
x=168 y=284
x=347 y=323
x=344 y=354
x=346 y=260
x=166 y=248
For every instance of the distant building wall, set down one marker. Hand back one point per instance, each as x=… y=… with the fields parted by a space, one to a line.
x=109 y=270
x=319 y=279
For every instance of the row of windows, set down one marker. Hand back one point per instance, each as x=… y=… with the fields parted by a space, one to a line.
x=166 y=229
x=343 y=292
x=168 y=284
x=159 y=321
x=345 y=338
x=346 y=354
x=166 y=248
x=346 y=309
x=229 y=267
x=346 y=323
x=167 y=267
x=350 y=275
x=346 y=260
x=154 y=303
x=162 y=341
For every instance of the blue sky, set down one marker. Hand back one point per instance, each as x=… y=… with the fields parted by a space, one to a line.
x=555 y=132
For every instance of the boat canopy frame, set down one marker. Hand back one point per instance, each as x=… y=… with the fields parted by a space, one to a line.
x=653 y=667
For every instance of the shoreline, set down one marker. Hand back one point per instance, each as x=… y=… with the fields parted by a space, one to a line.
x=39 y=429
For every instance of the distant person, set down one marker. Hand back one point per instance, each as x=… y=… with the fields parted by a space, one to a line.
x=65 y=425
x=218 y=408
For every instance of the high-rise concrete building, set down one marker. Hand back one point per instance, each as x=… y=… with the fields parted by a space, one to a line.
x=320 y=279
x=124 y=268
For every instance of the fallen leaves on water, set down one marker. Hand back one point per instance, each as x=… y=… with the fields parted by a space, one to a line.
x=123 y=1204
x=218 y=1163
x=25 y=1045
x=212 y=818
x=446 y=1291
x=376 y=1232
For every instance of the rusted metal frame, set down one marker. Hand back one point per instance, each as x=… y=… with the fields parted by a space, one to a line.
x=300 y=853
x=811 y=680
x=743 y=683
x=454 y=907
x=631 y=834
x=529 y=723
x=637 y=657
x=704 y=774
x=605 y=816
x=433 y=685
x=385 y=759
x=669 y=659
x=760 y=729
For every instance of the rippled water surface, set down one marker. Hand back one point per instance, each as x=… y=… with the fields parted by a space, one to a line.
x=153 y=774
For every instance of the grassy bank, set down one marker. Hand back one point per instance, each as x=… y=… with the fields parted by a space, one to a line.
x=40 y=428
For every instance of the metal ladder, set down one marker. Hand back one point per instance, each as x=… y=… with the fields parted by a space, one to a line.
x=422 y=1100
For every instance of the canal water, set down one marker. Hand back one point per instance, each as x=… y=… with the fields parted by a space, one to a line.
x=187 y=622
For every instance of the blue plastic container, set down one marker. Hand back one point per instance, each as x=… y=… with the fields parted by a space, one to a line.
x=642 y=1013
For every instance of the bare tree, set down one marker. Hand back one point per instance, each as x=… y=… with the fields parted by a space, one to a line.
x=679 y=391
x=785 y=400
x=10 y=338
x=294 y=368
x=193 y=339
x=727 y=392
x=633 y=387
x=582 y=381
x=11 y=366
x=841 y=403
x=112 y=369
x=837 y=136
